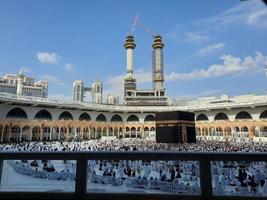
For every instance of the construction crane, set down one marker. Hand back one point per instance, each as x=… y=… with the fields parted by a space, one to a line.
x=136 y=21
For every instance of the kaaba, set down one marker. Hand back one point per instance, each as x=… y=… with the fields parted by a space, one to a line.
x=175 y=127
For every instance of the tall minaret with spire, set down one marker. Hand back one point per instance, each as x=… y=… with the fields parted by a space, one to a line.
x=157 y=59
x=129 y=81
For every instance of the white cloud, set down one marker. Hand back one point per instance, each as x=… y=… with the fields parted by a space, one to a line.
x=231 y=65
x=47 y=57
x=69 y=66
x=210 y=49
x=115 y=84
x=195 y=37
x=259 y=17
x=252 y=12
x=143 y=76
x=52 y=79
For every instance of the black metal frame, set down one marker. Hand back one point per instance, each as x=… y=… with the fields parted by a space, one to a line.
x=204 y=159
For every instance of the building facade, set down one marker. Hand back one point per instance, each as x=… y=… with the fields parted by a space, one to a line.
x=24 y=86
x=239 y=118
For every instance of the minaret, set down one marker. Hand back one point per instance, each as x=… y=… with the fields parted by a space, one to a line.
x=157 y=59
x=129 y=81
x=129 y=46
x=20 y=80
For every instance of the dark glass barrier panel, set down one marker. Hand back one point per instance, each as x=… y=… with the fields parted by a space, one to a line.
x=139 y=176
x=38 y=175
x=239 y=178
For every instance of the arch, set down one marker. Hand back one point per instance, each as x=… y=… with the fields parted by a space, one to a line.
x=132 y=118
x=43 y=115
x=205 y=131
x=6 y=135
x=116 y=118
x=110 y=132
x=1 y=132
x=243 y=115
x=25 y=135
x=133 y=132
x=263 y=131
x=116 y=132
x=65 y=116
x=149 y=118
x=197 y=129
x=101 y=118
x=219 y=131
x=15 y=133
x=36 y=133
x=227 y=131
x=98 y=133
x=221 y=116
x=244 y=128
x=202 y=117
x=244 y=132
x=263 y=115
x=55 y=135
x=212 y=131
x=104 y=132
x=84 y=117
x=85 y=134
x=46 y=133
x=17 y=113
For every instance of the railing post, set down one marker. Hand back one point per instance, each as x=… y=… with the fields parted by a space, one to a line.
x=81 y=179
x=205 y=179
x=1 y=170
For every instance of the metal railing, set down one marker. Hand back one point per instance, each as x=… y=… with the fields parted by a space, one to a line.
x=82 y=158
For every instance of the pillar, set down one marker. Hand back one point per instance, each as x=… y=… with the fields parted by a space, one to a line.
x=20 y=131
x=68 y=132
x=75 y=132
x=81 y=133
x=2 y=136
x=50 y=133
x=9 y=133
x=42 y=133
x=59 y=133
x=250 y=133
x=30 y=132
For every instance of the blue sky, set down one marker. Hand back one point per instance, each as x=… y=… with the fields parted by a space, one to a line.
x=212 y=47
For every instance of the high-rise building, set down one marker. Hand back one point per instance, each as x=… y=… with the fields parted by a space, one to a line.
x=78 y=90
x=24 y=86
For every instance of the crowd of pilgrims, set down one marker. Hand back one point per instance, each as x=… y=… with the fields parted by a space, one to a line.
x=227 y=177
x=136 y=144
